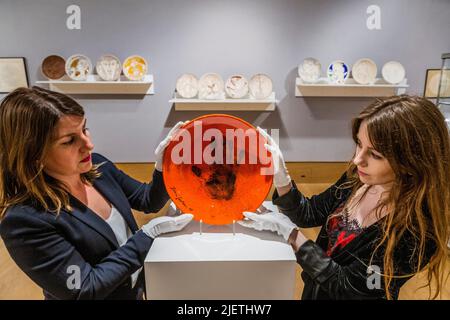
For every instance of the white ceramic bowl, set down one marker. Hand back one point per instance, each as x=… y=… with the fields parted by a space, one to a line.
x=260 y=86
x=187 y=86
x=236 y=86
x=364 y=71
x=393 y=72
x=310 y=70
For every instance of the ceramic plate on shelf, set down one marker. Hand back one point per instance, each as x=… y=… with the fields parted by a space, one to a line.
x=109 y=67
x=217 y=192
x=364 y=71
x=236 y=86
x=78 y=67
x=211 y=87
x=53 y=67
x=310 y=70
x=135 y=68
x=260 y=86
x=187 y=86
x=338 y=72
x=393 y=72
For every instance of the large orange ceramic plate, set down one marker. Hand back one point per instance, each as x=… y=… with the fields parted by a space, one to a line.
x=217 y=184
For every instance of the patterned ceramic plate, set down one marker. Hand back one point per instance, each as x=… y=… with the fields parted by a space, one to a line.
x=78 y=67
x=135 y=68
x=211 y=86
x=109 y=67
x=338 y=72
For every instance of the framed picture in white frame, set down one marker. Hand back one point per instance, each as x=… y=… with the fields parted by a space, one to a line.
x=13 y=73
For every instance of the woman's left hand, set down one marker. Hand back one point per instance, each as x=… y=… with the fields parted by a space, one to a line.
x=159 y=152
x=276 y=222
x=272 y=221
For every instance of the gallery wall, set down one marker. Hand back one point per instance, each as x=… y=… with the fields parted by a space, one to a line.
x=228 y=37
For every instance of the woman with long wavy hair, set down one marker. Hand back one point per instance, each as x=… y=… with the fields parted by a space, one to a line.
x=386 y=217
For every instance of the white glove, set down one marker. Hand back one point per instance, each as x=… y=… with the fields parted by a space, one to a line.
x=166 y=224
x=272 y=221
x=281 y=176
x=159 y=152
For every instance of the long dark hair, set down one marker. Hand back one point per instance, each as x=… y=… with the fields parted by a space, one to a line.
x=411 y=133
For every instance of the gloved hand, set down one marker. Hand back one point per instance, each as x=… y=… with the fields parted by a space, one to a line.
x=272 y=221
x=159 y=152
x=281 y=176
x=166 y=224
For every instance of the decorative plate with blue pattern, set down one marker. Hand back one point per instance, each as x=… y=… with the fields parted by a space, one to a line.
x=338 y=71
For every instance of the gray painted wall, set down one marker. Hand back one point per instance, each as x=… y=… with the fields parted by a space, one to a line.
x=233 y=36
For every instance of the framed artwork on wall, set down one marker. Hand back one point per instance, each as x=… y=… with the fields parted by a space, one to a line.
x=432 y=84
x=13 y=73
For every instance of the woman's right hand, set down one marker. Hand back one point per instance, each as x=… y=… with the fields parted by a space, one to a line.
x=165 y=224
x=159 y=152
x=281 y=176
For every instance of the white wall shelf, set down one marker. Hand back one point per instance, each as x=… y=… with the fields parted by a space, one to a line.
x=226 y=104
x=94 y=85
x=349 y=89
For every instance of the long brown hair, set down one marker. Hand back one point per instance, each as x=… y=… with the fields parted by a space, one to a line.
x=28 y=118
x=411 y=133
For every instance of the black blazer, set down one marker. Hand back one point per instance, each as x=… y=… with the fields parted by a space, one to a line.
x=48 y=246
x=343 y=275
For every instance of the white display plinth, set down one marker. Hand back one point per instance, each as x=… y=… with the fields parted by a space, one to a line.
x=220 y=264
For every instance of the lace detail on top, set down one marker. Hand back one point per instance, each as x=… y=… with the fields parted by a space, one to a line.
x=341 y=231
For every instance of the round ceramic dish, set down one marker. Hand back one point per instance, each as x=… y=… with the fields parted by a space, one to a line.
x=393 y=72
x=135 y=68
x=109 y=67
x=216 y=192
x=260 y=86
x=187 y=86
x=364 y=71
x=53 y=67
x=310 y=70
x=78 y=67
x=338 y=72
x=211 y=87
x=236 y=86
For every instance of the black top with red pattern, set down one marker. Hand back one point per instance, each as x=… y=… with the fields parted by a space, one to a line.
x=341 y=231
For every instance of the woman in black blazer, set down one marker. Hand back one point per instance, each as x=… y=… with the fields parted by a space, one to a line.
x=385 y=219
x=57 y=198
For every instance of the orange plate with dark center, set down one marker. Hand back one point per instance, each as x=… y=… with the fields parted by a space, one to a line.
x=216 y=184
